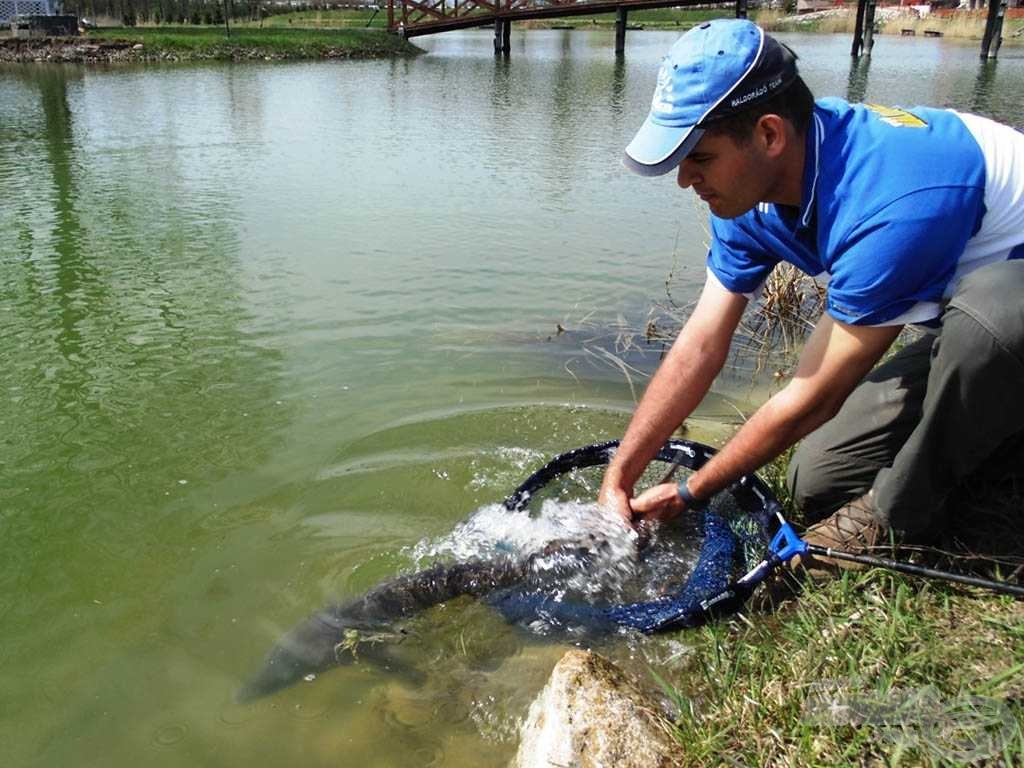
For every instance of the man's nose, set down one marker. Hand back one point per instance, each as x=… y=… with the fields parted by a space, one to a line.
x=686 y=175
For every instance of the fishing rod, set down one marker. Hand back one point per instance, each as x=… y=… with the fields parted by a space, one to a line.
x=917 y=570
x=783 y=547
x=788 y=544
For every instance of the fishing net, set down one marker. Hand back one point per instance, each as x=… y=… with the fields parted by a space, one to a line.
x=732 y=539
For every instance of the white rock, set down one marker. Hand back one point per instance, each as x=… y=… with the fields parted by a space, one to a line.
x=589 y=715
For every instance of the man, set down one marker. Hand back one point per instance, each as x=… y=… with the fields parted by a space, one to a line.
x=911 y=217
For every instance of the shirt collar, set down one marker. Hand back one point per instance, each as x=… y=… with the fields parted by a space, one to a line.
x=812 y=161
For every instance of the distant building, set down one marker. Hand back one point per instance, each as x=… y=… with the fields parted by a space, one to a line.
x=12 y=9
x=806 y=6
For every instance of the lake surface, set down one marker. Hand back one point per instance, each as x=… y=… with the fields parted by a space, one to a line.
x=267 y=327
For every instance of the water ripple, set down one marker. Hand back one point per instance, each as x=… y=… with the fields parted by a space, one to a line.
x=170 y=735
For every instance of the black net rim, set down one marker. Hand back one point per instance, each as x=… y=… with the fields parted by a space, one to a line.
x=686 y=453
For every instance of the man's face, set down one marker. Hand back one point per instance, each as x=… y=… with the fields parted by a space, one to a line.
x=731 y=178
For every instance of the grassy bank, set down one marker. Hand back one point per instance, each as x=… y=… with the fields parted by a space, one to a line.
x=966 y=25
x=648 y=18
x=873 y=669
x=326 y=19
x=183 y=43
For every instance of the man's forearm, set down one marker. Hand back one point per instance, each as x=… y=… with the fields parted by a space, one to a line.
x=681 y=382
x=776 y=426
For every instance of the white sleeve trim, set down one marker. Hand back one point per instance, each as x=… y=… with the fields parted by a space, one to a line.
x=1002 y=228
x=754 y=295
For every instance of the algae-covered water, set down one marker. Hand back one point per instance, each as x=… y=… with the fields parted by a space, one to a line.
x=267 y=328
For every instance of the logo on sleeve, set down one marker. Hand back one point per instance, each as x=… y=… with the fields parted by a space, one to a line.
x=896 y=116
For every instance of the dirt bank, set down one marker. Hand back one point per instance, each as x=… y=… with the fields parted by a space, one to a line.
x=91 y=50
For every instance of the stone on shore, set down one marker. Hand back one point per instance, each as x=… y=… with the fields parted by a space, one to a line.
x=589 y=715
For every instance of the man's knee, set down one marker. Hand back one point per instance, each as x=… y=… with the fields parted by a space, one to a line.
x=805 y=482
x=820 y=481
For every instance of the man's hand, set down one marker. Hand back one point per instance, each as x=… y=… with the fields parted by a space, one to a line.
x=616 y=497
x=659 y=503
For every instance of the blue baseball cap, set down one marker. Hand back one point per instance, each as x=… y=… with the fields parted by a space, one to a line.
x=716 y=69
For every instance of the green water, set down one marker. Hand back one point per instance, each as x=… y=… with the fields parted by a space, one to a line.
x=266 y=327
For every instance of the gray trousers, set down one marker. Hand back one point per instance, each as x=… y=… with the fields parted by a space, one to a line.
x=929 y=417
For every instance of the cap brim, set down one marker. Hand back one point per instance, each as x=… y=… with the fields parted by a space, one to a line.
x=657 y=149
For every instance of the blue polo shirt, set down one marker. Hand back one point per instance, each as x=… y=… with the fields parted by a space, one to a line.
x=897 y=206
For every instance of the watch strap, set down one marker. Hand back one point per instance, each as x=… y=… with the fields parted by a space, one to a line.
x=689 y=499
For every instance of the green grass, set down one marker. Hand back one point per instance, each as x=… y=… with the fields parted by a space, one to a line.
x=907 y=654
x=930 y=663
x=649 y=18
x=213 y=42
x=327 y=19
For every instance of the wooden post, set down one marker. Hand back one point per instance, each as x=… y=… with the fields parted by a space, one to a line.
x=620 y=30
x=869 y=27
x=741 y=9
x=502 y=36
x=993 y=38
x=857 y=83
x=858 y=29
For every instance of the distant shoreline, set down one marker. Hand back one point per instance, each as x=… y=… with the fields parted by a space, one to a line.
x=962 y=25
x=334 y=36
x=171 y=44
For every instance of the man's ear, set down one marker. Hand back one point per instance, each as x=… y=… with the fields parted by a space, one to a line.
x=770 y=133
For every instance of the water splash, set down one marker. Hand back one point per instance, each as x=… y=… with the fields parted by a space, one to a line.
x=577 y=550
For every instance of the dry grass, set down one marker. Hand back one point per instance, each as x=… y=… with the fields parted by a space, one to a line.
x=832 y=21
x=962 y=24
x=769 y=337
x=789 y=307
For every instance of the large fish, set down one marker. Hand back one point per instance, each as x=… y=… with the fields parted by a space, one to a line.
x=366 y=627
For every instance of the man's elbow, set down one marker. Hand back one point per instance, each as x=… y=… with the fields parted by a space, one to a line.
x=810 y=407
x=697 y=346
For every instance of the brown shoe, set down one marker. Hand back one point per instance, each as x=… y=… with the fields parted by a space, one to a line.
x=852 y=528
